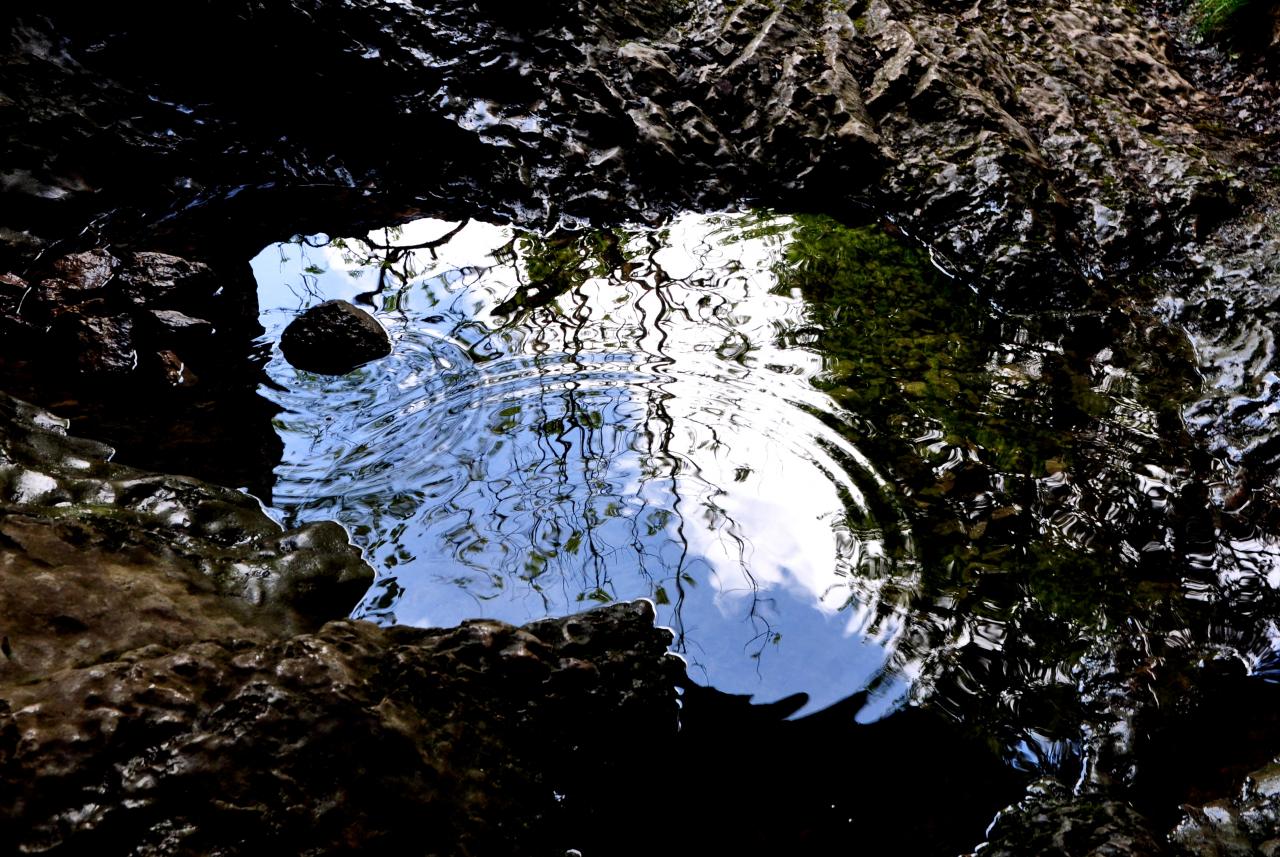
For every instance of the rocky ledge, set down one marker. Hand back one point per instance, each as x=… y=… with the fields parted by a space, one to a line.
x=163 y=638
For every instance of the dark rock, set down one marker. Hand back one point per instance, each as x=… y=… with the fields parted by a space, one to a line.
x=165 y=282
x=86 y=272
x=174 y=371
x=80 y=512
x=104 y=343
x=1030 y=143
x=12 y=290
x=1051 y=822
x=122 y=359
x=1245 y=824
x=333 y=338
x=176 y=327
x=354 y=739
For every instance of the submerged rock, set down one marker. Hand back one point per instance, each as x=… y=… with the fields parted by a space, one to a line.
x=333 y=338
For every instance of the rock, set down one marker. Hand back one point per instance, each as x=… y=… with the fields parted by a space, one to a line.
x=122 y=358
x=74 y=592
x=1051 y=822
x=104 y=343
x=88 y=271
x=174 y=371
x=353 y=739
x=1036 y=144
x=12 y=290
x=333 y=338
x=157 y=696
x=180 y=326
x=1246 y=823
x=75 y=511
x=160 y=281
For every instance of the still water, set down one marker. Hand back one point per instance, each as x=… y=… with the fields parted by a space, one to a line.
x=831 y=466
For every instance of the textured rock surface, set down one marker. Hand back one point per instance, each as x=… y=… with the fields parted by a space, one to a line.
x=1050 y=822
x=111 y=315
x=192 y=558
x=147 y=351
x=355 y=738
x=333 y=338
x=1020 y=138
x=1045 y=150
x=1246 y=823
x=155 y=696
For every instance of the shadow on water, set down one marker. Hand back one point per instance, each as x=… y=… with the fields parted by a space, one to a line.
x=837 y=472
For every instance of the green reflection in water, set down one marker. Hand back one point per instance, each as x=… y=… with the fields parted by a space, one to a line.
x=1041 y=458
x=1019 y=487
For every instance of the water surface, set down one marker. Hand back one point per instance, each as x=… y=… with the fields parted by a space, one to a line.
x=831 y=466
x=592 y=417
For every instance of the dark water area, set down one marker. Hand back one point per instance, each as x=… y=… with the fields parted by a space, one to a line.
x=835 y=469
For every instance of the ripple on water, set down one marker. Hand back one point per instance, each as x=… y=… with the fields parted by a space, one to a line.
x=566 y=422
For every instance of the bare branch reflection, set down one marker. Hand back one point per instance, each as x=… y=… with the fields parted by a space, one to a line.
x=585 y=417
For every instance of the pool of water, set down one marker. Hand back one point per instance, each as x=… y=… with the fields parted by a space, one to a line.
x=615 y=415
x=830 y=465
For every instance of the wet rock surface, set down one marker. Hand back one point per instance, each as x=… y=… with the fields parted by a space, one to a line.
x=194 y=557
x=1016 y=138
x=156 y=652
x=462 y=741
x=333 y=338
x=1244 y=823
x=147 y=351
x=1049 y=821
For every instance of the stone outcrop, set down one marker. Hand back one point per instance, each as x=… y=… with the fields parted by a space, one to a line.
x=354 y=738
x=1244 y=823
x=166 y=685
x=125 y=541
x=1028 y=142
x=147 y=351
x=1050 y=822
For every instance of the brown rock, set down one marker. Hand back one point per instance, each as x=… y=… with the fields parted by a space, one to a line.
x=333 y=338
x=87 y=271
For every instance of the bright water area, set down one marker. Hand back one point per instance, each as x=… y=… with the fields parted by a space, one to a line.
x=571 y=421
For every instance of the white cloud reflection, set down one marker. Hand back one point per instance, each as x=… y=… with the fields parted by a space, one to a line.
x=670 y=405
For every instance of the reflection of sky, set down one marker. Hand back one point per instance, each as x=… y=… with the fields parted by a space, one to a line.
x=653 y=433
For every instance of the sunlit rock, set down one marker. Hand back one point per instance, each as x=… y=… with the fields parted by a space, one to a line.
x=98 y=558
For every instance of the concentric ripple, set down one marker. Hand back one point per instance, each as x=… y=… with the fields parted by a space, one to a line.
x=571 y=421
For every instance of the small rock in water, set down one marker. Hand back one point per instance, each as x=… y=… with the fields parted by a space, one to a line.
x=333 y=338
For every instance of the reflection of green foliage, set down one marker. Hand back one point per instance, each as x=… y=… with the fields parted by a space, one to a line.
x=891 y=324
x=1243 y=23
x=558 y=264
x=916 y=354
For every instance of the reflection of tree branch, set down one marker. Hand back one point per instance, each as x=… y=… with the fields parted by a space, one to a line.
x=432 y=245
